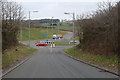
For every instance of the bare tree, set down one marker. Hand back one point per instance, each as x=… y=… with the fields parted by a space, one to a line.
x=100 y=30
x=11 y=17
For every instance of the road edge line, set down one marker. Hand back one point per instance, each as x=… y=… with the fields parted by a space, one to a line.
x=91 y=64
x=23 y=60
x=11 y=69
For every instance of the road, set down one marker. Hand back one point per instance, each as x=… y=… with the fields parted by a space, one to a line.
x=50 y=62
x=66 y=38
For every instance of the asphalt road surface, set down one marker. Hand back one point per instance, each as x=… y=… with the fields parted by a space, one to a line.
x=53 y=63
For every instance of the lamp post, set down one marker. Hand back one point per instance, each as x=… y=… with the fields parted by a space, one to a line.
x=29 y=26
x=52 y=23
x=73 y=15
x=20 y=31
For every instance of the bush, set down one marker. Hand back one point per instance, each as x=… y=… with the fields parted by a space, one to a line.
x=98 y=34
x=11 y=18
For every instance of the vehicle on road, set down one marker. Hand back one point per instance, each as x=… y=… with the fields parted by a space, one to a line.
x=41 y=44
x=60 y=36
x=55 y=37
x=73 y=42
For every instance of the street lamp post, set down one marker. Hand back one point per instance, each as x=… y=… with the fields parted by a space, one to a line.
x=73 y=15
x=52 y=30
x=58 y=26
x=74 y=27
x=29 y=29
x=52 y=23
x=20 y=31
x=29 y=26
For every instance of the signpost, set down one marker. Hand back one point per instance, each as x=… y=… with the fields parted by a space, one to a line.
x=46 y=34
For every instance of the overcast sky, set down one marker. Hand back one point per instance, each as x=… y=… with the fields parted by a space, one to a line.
x=56 y=8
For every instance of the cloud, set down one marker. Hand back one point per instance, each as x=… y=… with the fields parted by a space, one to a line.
x=63 y=0
x=56 y=8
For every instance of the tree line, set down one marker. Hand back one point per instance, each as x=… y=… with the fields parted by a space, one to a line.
x=41 y=21
x=98 y=32
x=12 y=15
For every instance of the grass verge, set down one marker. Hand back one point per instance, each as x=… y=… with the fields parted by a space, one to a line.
x=109 y=62
x=62 y=43
x=76 y=38
x=11 y=55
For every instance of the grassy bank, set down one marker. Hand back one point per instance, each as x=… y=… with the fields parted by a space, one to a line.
x=109 y=62
x=63 y=26
x=76 y=38
x=11 y=55
x=37 y=34
x=62 y=43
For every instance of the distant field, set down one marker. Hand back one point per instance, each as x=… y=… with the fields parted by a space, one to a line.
x=37 y=34
x=69 y=28
x=63 y=26
x=42 y=25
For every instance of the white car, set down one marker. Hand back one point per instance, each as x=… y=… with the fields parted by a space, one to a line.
x=72 y=42
x=55 y=37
